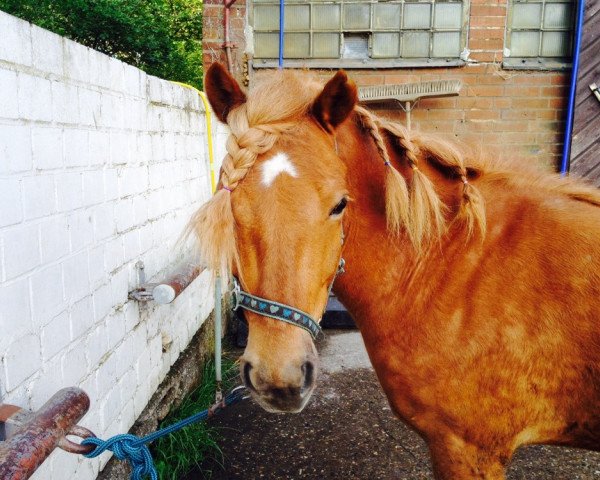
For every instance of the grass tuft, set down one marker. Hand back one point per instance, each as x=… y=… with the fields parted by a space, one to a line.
x=176 y=454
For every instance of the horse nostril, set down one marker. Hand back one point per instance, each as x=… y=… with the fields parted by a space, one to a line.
x=246 y=373
x=308 y=369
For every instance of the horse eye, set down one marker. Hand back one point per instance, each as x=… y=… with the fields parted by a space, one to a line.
x=339 y=208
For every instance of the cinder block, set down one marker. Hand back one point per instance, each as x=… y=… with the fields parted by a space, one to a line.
x=55 y=336
x=77 y=61
x=96 y=266
x=47 y=294
x=119 y=148
x=21 y=360
x=76 y=147
x=99 y=69
x=132 y=319
x=160 y=175
x=119 y=285
x=81 y=229
x=104 y=221
x=21 y=249
x=74 y=364
x=15 y=148
x=154 y=118
x=47 y=146
x=136 y=179
x=82 y=317
x=11 y=210
x=115 y=331
x=96 y=346
x=140 y=210
x=155 y=208
x=39 y=196
x=65 y=103
x=131 y=245
x=47 y=49
x=102 y=302
x=132 y=80
x=9 y=106
x=117 y=75
x=113 y=111
x=111 y=405
x=168 y=92
x=144 y=148
x=111 y=184
x=113 y=256
x=99 y=147
x=107 y=377
x=15 y=320
x=154 y=88
x=93 y=187
x=69 y=190
x=90 y=102
x=76 y=277
x=35 y=98
x=46 y=383
x=157 y=147
x=127 y=418
x=16 y=40
x=54 y=235
x=124 y=216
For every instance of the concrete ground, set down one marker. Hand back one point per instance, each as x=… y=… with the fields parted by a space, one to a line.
x=348 y=432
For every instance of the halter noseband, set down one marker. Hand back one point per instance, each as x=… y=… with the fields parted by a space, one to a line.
x=280 y=311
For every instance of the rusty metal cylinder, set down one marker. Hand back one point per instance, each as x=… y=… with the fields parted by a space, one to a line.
x=171 y=288
x=34 y=440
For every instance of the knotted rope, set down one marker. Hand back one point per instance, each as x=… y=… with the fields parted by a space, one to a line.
x=135 y=450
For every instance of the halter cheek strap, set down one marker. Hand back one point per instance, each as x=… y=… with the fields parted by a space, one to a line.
x=279 y=311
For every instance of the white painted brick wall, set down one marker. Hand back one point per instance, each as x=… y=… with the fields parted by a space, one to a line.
x=101 y=166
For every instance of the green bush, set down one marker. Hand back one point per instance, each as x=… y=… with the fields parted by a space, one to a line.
x=161 y=37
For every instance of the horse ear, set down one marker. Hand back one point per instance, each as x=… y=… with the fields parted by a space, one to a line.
x=223 y=92
x=335 y=102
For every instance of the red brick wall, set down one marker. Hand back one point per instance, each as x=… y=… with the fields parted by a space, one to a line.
x=511 y=112
x=213 y=34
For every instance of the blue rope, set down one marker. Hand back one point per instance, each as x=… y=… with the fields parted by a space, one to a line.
x=135 y=449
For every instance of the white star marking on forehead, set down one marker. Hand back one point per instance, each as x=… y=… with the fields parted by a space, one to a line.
x=271 y=168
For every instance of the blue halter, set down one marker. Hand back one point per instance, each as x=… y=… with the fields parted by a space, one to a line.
x=279 y=311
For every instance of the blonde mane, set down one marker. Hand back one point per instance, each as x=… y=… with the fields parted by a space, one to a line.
x=412 y=204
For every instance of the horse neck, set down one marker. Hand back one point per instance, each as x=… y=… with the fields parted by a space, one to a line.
x=384 y=273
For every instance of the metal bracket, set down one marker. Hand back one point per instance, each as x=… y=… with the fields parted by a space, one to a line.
x=143 y=293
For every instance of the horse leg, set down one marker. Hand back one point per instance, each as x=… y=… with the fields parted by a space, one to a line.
x=458 y=460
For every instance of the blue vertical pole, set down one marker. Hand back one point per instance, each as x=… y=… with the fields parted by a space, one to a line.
x=564 y=166
x=281 y=11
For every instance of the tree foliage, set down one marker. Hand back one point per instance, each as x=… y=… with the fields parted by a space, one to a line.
x=162 y=37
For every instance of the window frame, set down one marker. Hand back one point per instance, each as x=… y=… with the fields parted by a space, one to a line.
x=538 y=62
x=368 y=62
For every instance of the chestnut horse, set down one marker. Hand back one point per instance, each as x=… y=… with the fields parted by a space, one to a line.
x=475 y=284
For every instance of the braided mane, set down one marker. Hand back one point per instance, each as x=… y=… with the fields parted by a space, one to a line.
x=412 y=205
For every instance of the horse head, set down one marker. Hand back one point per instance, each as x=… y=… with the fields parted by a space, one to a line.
x=277 y=219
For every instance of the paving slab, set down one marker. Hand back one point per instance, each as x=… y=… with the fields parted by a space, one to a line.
x=347 y=431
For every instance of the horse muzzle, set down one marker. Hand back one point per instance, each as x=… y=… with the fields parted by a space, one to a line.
x=291 y=396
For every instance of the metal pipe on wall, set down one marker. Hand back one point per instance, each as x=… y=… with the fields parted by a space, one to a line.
x=564 y=166
x=36 y=434
x=227 y=43
x=281 y=21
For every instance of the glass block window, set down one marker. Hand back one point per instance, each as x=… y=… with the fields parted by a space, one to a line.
x=539 y=33
x=328 y=33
